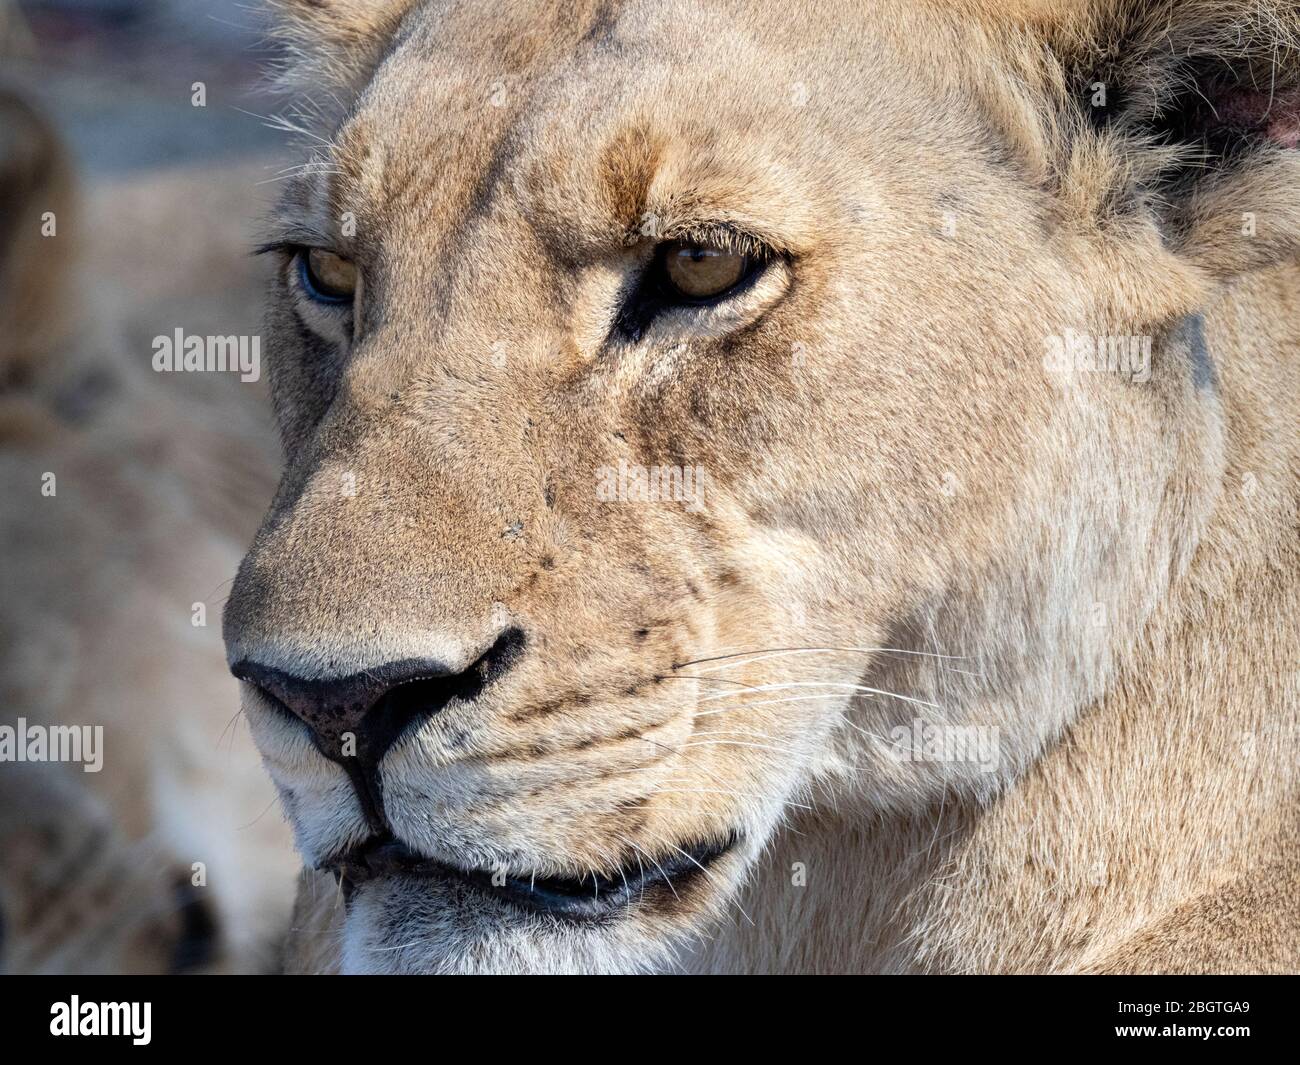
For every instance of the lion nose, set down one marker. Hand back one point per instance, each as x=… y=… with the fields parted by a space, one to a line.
x=356 y=719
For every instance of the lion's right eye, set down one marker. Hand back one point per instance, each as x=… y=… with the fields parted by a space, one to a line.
x=698 y=272
x=327 y=277
x=692 y=277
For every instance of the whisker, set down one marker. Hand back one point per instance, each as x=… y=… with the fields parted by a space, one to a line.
x=733 y=896
x=667 y=878
x=830 y=684
x=677 y=750
x=229 y=724
x=265 y=810
x=869 y=735
x=739 y=743
x=775 y=652
x=765 y=702
x=737 y=732
x=282 y=124
x=723 y=791
x=710 y=874
x=712 y=680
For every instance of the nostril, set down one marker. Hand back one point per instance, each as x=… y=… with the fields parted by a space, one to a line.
x=495 y=661
x=360 y=716
x=414 y=699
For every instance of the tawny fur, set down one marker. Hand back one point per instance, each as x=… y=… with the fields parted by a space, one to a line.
x=1102 y=569
x=157 y=485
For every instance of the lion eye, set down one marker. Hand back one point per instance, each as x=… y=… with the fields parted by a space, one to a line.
x=699 y=272
x=326 y=277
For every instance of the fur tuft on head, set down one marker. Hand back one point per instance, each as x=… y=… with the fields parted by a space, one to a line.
x=331 y=47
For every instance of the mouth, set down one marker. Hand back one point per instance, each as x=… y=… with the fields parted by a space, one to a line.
x=642 y=881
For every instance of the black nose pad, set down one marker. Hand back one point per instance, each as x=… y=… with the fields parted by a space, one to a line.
x=354 y=720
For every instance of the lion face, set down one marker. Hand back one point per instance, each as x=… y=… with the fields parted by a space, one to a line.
x=667 y=427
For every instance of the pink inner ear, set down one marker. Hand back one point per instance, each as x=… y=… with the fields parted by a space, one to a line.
x=1285 y=129
x=1275 y=117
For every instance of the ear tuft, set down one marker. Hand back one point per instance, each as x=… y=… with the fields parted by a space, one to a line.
x=1201 y=100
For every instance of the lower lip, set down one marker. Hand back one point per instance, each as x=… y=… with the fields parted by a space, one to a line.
x=595 y=900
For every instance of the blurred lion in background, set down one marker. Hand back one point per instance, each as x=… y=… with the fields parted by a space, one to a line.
x=127 y=501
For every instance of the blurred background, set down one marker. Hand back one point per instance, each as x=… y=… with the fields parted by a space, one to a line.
x=135 y=162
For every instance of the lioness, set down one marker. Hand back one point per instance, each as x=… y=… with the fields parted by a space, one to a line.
x=787 y=487
x=126 y=497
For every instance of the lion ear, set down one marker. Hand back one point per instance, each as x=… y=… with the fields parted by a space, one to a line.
x=332 y=46
x=1200 y=102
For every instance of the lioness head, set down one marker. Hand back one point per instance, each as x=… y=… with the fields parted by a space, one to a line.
x=688 y=405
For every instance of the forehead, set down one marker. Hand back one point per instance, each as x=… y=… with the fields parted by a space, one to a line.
x=589 y=120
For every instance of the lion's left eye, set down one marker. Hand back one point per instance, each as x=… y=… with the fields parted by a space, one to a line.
x=697 y=272
x=327 y=277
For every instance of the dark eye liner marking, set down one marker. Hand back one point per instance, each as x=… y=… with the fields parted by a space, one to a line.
x=652 y=293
